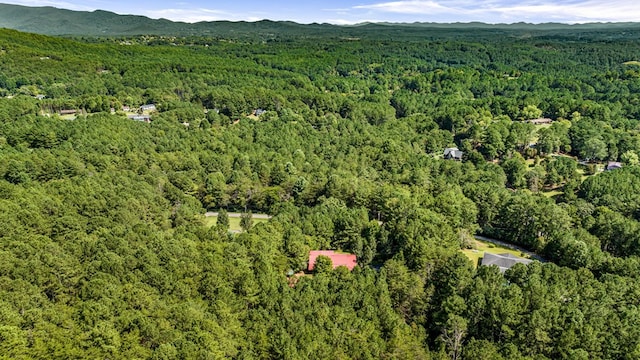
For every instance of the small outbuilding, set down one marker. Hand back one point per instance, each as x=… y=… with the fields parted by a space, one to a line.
x=613 y=165
x=540 y=121
x=453 y=154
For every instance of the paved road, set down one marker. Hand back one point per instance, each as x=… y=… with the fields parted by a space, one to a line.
x=511 y=246
x=239 y=215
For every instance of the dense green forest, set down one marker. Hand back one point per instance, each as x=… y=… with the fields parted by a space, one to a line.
x=104 y=251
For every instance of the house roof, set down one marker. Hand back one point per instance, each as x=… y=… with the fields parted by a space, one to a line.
x=540 y=121
x=614 y=165
x=452 y=153
x=503 y=261
x=145 y=118
x=338 y=259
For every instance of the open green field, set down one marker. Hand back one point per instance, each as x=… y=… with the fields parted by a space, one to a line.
x=234 y=222
x=481 y=247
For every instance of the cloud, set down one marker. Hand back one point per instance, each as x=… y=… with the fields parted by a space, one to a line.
x=408 y=7
x=190 y=15
x=490 y=11
x=585 y=11
x=506 y=11
x=337 y=10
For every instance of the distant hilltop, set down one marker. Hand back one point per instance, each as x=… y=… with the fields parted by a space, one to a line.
x=61 y=22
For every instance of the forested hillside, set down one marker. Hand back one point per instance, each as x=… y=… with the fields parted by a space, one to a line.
x=49 y=20
x=105 y=251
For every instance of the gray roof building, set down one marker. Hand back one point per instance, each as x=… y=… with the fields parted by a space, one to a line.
x=143 y=118
x=452 y=153
x=502 y=261
x=613 y=165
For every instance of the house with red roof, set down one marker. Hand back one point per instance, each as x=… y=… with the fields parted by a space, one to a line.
x=337 y=259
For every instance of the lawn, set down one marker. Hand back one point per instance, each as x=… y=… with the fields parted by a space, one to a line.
x=481 y=247
x=552 y=193
x=234 y=222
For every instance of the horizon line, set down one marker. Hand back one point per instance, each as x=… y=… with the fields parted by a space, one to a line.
x=360 y=23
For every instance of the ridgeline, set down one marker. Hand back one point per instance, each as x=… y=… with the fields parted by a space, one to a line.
x=99 y=23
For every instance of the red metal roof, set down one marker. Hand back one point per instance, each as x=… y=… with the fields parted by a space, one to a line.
x=348 y=260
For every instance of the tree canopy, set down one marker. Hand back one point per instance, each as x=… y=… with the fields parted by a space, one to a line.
x=105 y=251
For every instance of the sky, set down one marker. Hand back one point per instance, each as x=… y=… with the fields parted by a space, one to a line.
x=358 y=11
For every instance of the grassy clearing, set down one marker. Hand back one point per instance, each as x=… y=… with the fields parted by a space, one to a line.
x=552 y=193
x=534 y=139
x=583 y=174
x=234 y=222
x=481 y=247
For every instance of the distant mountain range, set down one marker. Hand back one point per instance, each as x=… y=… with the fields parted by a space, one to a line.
x=54 y=21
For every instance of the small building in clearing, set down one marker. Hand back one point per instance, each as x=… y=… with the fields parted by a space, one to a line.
x=148 y=107
x=453 y=154
x=502 y=261
x=337 y=259
x=540 y=121
x=143 y=118
x=613 y=165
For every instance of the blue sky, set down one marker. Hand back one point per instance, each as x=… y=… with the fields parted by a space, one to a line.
x=357 y=11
